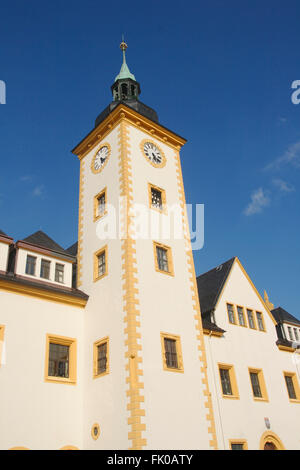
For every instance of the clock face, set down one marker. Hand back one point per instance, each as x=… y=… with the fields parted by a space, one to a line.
x=100 y=158
x=153 y=154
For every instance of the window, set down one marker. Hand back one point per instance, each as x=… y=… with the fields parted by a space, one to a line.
x=171 y=352
x=250 y=319
x=296 y=334
x=30 y=265
x=230 y=311
x=258 y=385
x=100 y=263
x=157 y=198
x=45 y=269
x=95 y=431
x=60 y=364
x=59 y=273
x=241 y=316
x=238 y=444
x=290 y=333
x=101 y=365
x=292 y=386
x=163 y=259
x=100 y=201
x=260 y=321
x=228 y=381
x=2 y=329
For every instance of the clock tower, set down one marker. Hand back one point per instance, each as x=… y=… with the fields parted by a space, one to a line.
x=145 y=373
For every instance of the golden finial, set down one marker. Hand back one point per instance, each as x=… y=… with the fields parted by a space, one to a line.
x=123 y=45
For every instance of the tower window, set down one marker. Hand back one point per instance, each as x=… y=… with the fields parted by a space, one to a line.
x=157 y=198
x=100 y=205
x=30 y=265
x=132 y=90
x=45 y=269
x=238 y=445
x=100 y=263
x=225 y=381
x=163 y=258
x=124 y=90
x=59 y=273
x=58 y=360
x=101 y=357
x=255 y=384
x=171 y=351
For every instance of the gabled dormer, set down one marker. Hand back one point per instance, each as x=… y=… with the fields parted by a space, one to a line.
x=5 y=243
x=40 y=258
x=288 y=329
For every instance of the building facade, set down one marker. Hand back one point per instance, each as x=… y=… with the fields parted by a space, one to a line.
x=103 y=345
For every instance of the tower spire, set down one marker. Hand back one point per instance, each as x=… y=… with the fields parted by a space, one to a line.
x=124 y=72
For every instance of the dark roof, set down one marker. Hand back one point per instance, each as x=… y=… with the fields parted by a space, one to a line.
x=44 y=241
x=73 y=249
x=208 y=325
x=282 y=315
x=210 y=285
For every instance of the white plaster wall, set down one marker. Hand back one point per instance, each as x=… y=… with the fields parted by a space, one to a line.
x=105 y=397
x=4 y=247
x=174 y=402
x=21 y=267
x=34 y=413
x=243 y=348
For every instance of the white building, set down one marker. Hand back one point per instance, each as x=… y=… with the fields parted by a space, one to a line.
x=102 y=345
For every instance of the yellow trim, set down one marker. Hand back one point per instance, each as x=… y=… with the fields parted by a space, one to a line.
x=169 y=258
x=133 y=354
x=206 y=398
x=64 y=341
x=42 y=294
x=19 y=448
x=295 y=384
x=234 y=313
x=163 y=157
x=96 y=215
x=2 y=331
x=80 y=224
x=262 y=384
x=234 y=388
x=69 y=448
x=95 y=357
x=95 y=426
x=96 y=172
x=123 y=115
x=164 y=209
x=96 y=254
x=178 y=352
x=239 y=441
x=270 y=436
x=218 y=334
x=286 y=348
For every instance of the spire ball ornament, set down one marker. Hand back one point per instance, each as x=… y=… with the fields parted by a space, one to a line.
x=123 y=46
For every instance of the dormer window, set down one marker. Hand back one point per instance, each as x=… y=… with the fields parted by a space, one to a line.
x=30 y=265
x=59 y=273
x=45 y=269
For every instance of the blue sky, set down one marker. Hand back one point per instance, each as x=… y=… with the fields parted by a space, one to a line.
x=219 y=73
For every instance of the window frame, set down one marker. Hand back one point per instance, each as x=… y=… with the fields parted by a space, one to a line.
x=293 y=376
x=177 y=340
x=98 y=216
x=2 y=335
x=253 y=317
x=48 y=263
x=95 y=357
x=234 y=313
x=163 y=210
x=168 y=249
x=261 y=382
x=233 y=383
x=242 y=442
x=63 y=341
x=96 y=255
x=238 y=318
x=35 y=265
x=262 y=320
x=63 y=272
